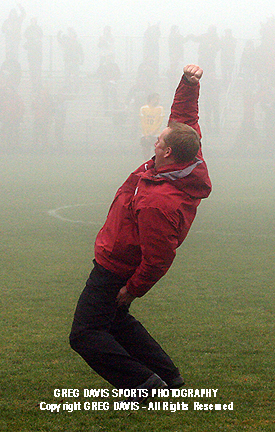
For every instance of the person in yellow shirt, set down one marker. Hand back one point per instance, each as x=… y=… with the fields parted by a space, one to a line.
x=151 y=116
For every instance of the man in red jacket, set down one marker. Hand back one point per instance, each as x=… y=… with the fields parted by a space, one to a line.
x=149 y=218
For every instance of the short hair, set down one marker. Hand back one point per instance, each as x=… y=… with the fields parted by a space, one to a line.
x=184 y=142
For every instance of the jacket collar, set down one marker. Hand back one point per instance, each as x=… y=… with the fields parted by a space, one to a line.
x=172 y=172
x=178 y=174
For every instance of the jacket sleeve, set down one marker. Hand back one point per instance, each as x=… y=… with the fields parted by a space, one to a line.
x=158 y=240
x=185 y=107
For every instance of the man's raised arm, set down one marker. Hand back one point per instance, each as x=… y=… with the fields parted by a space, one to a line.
x=185 y=108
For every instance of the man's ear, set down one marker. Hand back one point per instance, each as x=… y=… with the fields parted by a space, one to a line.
x=168 y=152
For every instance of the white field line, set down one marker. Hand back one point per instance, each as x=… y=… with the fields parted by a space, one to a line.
x=55 y=213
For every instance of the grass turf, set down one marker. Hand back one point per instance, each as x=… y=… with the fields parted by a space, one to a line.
x=213 y=311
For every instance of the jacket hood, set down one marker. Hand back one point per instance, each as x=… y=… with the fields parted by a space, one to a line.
x=191 y=178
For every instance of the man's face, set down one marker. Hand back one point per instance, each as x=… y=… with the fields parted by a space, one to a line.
x=161 y=148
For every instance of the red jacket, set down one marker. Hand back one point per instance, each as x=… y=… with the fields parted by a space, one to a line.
x=152 y=211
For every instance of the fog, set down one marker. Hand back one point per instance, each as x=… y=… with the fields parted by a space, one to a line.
x=89 y=93
x=131 y=17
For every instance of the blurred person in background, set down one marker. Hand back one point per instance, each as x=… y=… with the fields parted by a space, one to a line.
x=106 y=45
x=11 y=68
x=248 y=134
x=211 y=104
x=176 y=55
x=144 y=84
x=265 y=55
x=151 y=117
x=43 y=112
x=12 y=31
x=60 y=101
x=176 y=49
x=151 y=40
x=11 y=115
x=209 y=46
x=109 y=74
x=73 y=57
x=34 y=35
x=228 y=56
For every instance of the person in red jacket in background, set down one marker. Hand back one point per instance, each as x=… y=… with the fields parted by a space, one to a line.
x=149 y=218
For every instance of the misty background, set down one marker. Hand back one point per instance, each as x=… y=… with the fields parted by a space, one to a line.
x=96 y=94
x=131 y=17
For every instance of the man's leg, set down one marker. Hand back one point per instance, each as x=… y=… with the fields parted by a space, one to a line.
x=91 y=338
x=136 y=340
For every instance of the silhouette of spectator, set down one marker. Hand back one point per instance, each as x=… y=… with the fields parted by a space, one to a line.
x=266 y=50
x=176 y=53
x=248 y=67
x=151 y=116
x=146 y=75
x=211 y=103
x=12 y=31
x=60 y=113
x=11 y=68
x=176 y=49
x=43 y=110
x=228 y=51
x=265 y=57
x=209 y=46
x=151 y=47
x=106 y=45
x=73 y=57
x=33 y=45
x=109 y=74
x=144 y=85
x=11 y=115
x=267 y=100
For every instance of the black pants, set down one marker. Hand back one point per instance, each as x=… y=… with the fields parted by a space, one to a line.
x=112 y=341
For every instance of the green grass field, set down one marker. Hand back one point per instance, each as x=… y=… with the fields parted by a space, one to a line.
x=213 y=311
